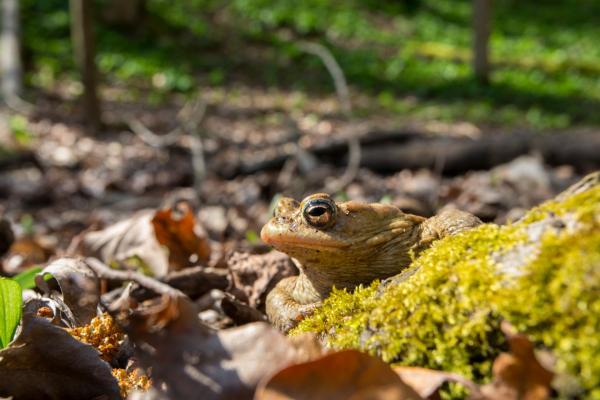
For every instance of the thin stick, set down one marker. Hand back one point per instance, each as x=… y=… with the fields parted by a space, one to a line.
x=105 y=272
x=190 y=116
x=151 y=138
x=343 y=94
x=334 y=69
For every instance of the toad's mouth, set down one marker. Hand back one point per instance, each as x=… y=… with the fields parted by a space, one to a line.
x=280 y=238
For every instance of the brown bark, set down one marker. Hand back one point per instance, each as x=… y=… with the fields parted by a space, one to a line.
x=482 y=10
x=10 y=57
x=394 y=151
x=123 y=12
x=458 y=155
x=82 y=34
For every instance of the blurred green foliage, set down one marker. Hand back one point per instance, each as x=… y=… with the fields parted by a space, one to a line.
x=410 y=56
x=20 y=130
x=27 y=278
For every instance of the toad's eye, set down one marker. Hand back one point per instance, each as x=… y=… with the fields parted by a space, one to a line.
x=319 y=213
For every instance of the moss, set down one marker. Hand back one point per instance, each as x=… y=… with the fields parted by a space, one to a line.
x=558 y=303
x=102 y=333
x=541 y=273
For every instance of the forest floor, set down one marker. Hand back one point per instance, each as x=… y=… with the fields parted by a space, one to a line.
x=63 y=180
x=228 y=87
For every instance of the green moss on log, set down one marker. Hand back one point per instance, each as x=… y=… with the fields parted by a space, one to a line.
x=542 y=274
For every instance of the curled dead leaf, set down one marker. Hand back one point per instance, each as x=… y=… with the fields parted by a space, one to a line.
x=75 y=284
x=128 y=239
x=45 y=362
x=428 y=382
x=347 y=374
x=177 y=229
x=518 y=375
x=188 y=358
x=142 y=241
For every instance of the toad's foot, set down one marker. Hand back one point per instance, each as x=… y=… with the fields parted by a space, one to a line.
x=283 y=310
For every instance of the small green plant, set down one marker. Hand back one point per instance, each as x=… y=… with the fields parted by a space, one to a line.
x=27 y=223
x=10 y=310
x=20 y=130
x=27 y=278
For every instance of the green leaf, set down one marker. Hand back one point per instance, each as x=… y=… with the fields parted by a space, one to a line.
x=10 y=310
x=27 y=278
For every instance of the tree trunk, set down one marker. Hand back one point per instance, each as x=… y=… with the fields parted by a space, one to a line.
x=123 y=12
x=12 y=73
x=482 y=10
x=82 y=35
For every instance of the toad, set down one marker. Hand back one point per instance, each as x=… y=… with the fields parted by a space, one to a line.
x=344 y=245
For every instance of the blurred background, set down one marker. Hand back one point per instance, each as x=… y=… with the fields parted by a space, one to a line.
x=111 y=106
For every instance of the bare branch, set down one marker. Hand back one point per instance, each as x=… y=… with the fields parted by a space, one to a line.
x=151 y=138
x=192 y=115
x=334 y=69
x=190 y=118
x=105 y=272
x=341 y=88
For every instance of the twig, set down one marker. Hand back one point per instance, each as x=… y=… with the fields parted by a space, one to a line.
x=151 y=138
x=196 y=281
x=334 y=69
x=240 y=313
x=105 y=272
x=190 y=116
x=343 y=94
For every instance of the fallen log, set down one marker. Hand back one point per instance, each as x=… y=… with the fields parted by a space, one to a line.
x=390 y=151
x=454 y=156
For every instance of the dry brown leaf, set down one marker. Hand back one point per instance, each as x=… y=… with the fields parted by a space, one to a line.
x=193 y=360
x=133 y=237
x=45 y=362
x=427 y=382
x=518 y=375
x=76 y=285
x=24 y=253
x=176 y=228
x=254 y=276
x=347 y=374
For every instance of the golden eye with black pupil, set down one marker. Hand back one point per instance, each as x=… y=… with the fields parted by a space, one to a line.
x=319 y=213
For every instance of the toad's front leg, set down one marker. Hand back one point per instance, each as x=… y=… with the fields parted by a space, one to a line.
x=447 y=223
x=283 y=309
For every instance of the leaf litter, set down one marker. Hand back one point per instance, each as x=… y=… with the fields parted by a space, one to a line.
x=169 y=308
